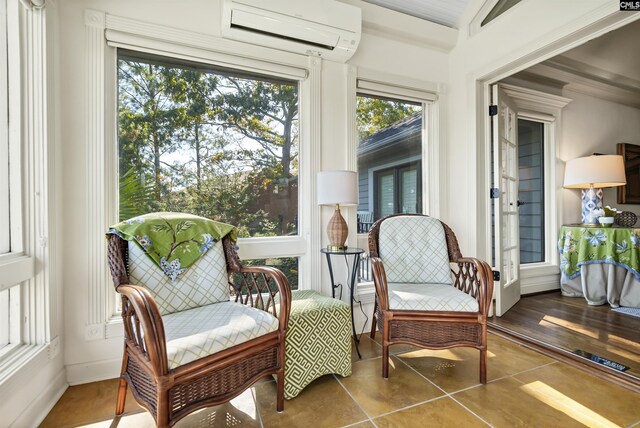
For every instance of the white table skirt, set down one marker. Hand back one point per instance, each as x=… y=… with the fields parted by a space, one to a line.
x=600 y=283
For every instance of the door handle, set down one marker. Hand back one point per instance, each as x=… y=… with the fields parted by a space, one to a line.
x=521 y=203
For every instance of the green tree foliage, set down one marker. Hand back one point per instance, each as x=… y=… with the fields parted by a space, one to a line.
x=210 y=144
x=374 y=114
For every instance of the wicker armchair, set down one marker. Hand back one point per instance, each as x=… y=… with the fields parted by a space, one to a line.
x=427 y=294
x=171 y=392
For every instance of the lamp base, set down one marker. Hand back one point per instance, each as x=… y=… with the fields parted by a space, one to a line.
x=337 y=231
x=591 y=201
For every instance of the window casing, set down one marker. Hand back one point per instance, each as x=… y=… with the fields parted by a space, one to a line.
x=192 y=138
x=105 y=35
x=396 y=153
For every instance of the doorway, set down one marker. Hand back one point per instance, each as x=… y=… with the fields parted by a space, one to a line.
x=568 y=326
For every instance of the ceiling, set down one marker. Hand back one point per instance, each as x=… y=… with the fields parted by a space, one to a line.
x=444 y=12
x=607 y=67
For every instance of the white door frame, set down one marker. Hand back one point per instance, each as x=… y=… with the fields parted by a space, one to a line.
x=483 y=81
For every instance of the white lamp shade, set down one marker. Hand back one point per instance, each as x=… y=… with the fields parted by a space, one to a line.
x=594 y=171
x=337 y=187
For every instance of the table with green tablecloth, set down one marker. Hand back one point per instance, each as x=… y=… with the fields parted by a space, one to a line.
x=600 y=264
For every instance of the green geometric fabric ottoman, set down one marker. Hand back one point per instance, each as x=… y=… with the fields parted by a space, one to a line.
x=318 y=340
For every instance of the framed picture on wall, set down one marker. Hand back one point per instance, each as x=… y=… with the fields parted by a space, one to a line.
x=630 y=193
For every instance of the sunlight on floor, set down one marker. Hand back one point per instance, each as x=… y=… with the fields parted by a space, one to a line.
x=624 y=342
x=566 y=405
x=548 y=319
x=440 y=354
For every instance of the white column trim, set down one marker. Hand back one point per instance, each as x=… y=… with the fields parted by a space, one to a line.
x=37 y=215
x=311 y=114
x=95 y=172
x=351 y=75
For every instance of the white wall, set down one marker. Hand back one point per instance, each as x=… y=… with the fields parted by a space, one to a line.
x=594 y=125
x=89 y=360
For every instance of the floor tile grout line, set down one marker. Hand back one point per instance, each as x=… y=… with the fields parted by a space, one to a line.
x=469 y=410
x=255 y=400
x=446 y=393
x=354 y=399
x=410 y=406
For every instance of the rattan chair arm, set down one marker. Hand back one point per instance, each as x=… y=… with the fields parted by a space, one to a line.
x=282 y=309
x=380 y=282
x=482 y=276
x=150 y=342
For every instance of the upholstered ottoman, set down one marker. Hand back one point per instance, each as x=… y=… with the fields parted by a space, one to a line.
x=318 y=340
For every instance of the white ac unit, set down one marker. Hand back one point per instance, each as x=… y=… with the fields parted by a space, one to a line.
x=324 y=28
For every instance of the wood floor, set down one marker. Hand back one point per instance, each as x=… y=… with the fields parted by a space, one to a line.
x=571 y=324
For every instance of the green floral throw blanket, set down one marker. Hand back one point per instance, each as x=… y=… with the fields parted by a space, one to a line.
x=174 y=241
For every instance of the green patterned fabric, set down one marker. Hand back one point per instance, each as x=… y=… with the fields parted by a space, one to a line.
x=174 y=241
x=203 y=331
x=204 y=283
x=587 y=245
x=318 y=340
x=429 y=297
x=414 y=250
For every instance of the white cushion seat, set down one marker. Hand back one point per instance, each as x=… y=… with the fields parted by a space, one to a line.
x=429 y=297
x=206 y=330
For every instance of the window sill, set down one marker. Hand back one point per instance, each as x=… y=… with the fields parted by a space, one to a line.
x=17 y=357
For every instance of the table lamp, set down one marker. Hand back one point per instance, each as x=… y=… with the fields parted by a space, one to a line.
x=591 y=174
x=337 y=188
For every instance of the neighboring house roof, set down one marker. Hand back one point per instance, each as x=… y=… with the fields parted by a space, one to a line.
x=395 y=133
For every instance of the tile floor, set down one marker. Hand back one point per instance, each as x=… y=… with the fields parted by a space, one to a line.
x=425 y=388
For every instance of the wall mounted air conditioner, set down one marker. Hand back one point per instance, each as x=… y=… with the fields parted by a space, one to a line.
x=326 y=28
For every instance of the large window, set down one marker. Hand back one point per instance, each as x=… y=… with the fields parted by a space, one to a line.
x=214 y=142
x=389 y=158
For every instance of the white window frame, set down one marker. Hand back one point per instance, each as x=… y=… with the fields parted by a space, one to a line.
x=5 y=204
x=33 y=314
x=374 y=83
x=107 y=32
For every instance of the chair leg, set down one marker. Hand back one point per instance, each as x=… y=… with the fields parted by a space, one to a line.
x=483 y=366
x=385 y=361
x=280 y=390
x=122 y=396
x=374 y=320
x=122 y=387
x=162 y=419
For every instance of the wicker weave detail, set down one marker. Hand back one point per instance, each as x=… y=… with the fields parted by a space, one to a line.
x=143 y=386
x=435 y=333
x=223 y=381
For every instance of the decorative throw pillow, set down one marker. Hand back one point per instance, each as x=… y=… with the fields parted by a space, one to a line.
x=203 y=283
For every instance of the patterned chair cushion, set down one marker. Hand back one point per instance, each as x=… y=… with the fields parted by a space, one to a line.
x=414 y=250
x=206 y=330
x=203 y=283
x=430 y=297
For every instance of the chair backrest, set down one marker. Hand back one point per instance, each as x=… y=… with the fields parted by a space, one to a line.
x=413 y=249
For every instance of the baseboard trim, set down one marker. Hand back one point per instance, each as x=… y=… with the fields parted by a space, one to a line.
x=526 y=289
x=626 y=381
x=93 y=372
x=40 y=407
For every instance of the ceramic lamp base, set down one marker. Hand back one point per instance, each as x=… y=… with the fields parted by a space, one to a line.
x=591 y=201
x=337 y=231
